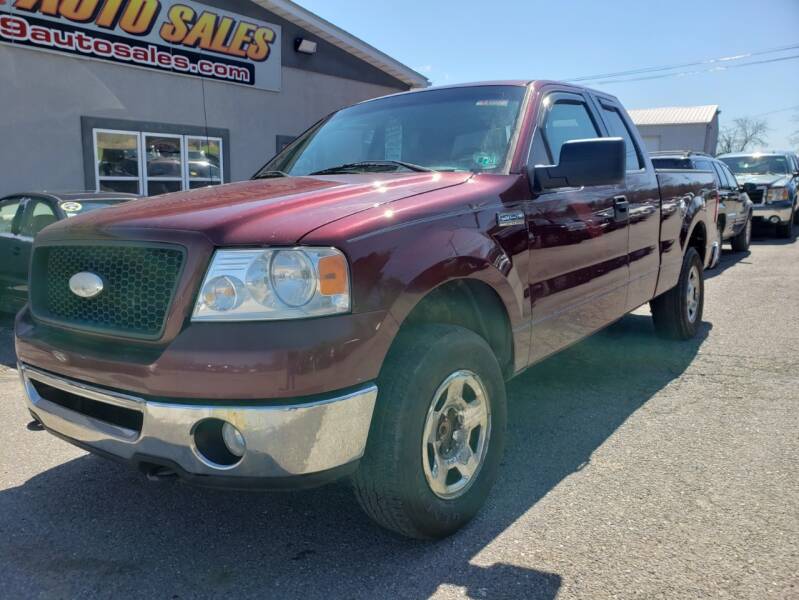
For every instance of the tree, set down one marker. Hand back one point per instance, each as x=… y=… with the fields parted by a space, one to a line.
x=743 y=134
x=794 y=139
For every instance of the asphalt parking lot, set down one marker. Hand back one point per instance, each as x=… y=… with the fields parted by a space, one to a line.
x=635 y=468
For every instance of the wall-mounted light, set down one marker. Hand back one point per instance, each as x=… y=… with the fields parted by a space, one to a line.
x=305 y=46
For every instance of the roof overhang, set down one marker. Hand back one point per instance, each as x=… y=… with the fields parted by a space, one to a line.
x=675 y=115
x=338 y=37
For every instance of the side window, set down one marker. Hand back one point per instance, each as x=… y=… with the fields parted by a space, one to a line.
x=721 y=179
x=8 y=215
x=731 y=181
x=704 y=165
x=618 y=128
x=567 y=120
x=730 y=176
x=38 y=215
x=539 y=152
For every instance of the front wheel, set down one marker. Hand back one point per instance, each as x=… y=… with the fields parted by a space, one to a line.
x=437 y=433
x=785 y=230
x=740 y=243
x=678 y=313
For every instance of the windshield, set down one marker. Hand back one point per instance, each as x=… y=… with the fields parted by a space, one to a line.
x=757 y=165
x=80 y=207
x=468 y=129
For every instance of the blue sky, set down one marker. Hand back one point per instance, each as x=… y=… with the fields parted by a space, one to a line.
x=467 y=40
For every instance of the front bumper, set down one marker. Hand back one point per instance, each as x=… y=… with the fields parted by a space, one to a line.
x=282 y=442
x=783 y=210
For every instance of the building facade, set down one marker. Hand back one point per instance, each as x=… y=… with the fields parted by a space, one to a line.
x=150 y=96
x=693 y=128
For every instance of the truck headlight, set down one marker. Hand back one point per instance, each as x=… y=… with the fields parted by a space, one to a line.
x=274 y=284
x=777 y=194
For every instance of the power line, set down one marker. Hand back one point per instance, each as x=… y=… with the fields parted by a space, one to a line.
x=779 y=110
x=700 y=71
x=661 y=68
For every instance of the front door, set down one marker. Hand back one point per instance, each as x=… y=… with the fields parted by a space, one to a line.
x=578 y=271
x=10 y=251
x=38 y=214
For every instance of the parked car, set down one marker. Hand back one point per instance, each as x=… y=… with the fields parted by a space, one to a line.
x=735 y=207
x=771 y=180
x=356 y=308
x=22 y=217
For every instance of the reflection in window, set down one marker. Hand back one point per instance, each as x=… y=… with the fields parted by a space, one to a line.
x=117 y=157
x=204 y=160
x=153 y=163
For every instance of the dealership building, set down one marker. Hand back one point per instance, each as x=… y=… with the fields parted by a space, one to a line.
x=153 y=96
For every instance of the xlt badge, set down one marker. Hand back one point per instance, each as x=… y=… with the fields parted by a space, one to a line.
x=514 y=217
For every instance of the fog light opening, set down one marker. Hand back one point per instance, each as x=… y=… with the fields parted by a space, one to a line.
x=219 y=443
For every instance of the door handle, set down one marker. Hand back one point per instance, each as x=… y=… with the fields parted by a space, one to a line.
x=621 y=207
x=16 y=251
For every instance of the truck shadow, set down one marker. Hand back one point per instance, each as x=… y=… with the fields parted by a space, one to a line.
x=7 y=356
x=728 y=259
x=90 y=525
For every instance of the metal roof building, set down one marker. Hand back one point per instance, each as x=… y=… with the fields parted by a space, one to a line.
x=679 y=127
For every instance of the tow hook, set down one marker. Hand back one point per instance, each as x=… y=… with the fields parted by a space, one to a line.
x=159 y=474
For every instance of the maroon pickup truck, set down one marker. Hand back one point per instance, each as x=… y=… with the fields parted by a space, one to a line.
x=356 y=308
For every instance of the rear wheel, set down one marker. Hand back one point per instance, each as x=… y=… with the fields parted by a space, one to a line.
x=437 y=434
x=678 y=313
x=740 y=243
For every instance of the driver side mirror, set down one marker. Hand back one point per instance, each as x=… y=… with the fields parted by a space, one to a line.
x=592 y=162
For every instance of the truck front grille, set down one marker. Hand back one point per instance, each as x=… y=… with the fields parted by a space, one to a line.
x=756 y=194
x=139 y=282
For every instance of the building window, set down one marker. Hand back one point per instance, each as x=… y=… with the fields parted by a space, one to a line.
x=150 y=164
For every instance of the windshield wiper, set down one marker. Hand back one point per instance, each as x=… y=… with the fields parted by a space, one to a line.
x=365 y=164
x=270 y=174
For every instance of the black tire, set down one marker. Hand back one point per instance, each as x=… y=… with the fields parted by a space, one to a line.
x=390 y=484
x=785 y=230
x=740 y=243
x=670 y=311
x=796 y=216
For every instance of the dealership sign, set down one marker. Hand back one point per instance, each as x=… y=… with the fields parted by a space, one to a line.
x=165 y=35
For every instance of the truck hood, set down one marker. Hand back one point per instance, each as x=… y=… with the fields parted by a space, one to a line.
x=770 y=180
x=268 y=211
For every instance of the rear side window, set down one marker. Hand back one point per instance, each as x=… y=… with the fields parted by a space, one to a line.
x=618 y=128
x=704 y=165
x=730 y=177
x=566 y=121
x=671 y=163
x=721 y=180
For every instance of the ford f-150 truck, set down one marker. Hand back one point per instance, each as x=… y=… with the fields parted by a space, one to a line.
x=356 y=308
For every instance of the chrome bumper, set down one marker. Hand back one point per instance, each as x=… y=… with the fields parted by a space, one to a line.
x=767 y=211
x=281 y=441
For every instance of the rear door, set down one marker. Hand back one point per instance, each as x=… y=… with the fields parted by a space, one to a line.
x=643 y=198
x=737 y=213
x=578 y=272
x=11 y=210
